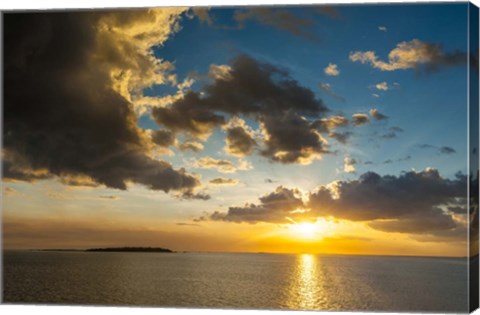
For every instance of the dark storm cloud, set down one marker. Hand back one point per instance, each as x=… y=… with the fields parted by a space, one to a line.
x=414 y=202
x=259 y=91
x=20 y=172
x=188 y=115
x=63 y=109
x=273 y=207
x=426 y=222
x=163 y=138
x=239 y=141
x=278 y=18
x=409 y=202
x=291 y=139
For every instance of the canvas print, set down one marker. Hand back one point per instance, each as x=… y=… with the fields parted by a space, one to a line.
x=304 y=157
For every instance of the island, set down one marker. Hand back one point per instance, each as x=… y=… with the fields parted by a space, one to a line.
x=131 y=249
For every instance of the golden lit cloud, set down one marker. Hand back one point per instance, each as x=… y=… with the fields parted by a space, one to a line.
x=224 y=181
x=410 y=55
x=332 y=70
x=349 y=165
x=222 y=166
x=383 y=86
x=359 y=119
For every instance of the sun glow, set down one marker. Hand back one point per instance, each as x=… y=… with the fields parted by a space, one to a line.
x=305 y=230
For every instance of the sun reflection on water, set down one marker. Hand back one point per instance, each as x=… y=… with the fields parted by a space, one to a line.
x=304 y=293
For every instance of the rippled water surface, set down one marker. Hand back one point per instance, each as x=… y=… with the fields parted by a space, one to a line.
x=248 y=281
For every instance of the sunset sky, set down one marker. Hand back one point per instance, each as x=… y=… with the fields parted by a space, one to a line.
x=264 y=129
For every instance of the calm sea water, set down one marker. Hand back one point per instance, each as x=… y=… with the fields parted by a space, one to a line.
x=247 y=281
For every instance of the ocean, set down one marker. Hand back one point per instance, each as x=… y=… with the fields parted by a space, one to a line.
x=244 y=281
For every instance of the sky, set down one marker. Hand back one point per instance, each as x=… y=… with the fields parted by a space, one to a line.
x=321 y=129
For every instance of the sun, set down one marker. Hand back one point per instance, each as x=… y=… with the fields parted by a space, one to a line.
x=305 y=230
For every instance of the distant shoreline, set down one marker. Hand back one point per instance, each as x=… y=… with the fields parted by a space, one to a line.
x=114 y=249
x=152 y=249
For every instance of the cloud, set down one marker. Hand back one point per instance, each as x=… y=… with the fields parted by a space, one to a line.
x=383 y=86
x=327 y=88
x=411 y=199
x=273 y=207
x=222 y=166
x=382 y=29
x=359 y=119
x=415 y=202
x=187 y=224
x=426 y=146
x=342 y=137
x=190 y=145
x=240 y=138
x=330 y=123
x=349 y=165
x=184 y=116
x=143 y=104
x=329 y=11
x=278 y=18
x=78 y=180
x=258 y=91
x=441 y=150
x=21 y=171
x=396 y=129
x=224 y=181
x=189 y=194
x=375 y=95
x=163 y=138
x=219 y=72
x=414 y=54
x=332 y=70
x=202 y=14
x=377 y=115
x=446 y=150
x=78 y=117
x=406 y=158
x=291 y=139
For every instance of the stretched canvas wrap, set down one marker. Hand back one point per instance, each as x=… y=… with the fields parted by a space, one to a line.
x=304 y=157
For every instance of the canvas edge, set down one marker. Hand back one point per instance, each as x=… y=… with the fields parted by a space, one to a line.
x=473 y=144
